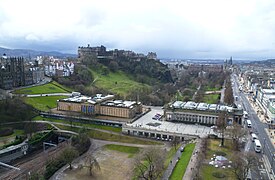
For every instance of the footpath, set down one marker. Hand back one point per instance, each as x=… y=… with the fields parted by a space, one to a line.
x=172 y=164
x=191 y=170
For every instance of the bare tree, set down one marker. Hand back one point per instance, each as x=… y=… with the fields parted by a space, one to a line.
x=150 y=163
x=242 y=163
x=175 y=142
x=222 y=124
x=237 y=133
x=30 y=128
x=69 y=154
x=92 y=164
x=228 y=93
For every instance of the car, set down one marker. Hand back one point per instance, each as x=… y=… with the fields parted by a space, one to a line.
x=181 y=149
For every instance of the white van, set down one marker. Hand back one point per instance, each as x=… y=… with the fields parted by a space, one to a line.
x=254 y=137
x=249 y=124
x=257 y=146
x=245 y=114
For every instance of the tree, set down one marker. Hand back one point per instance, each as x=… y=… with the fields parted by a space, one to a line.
x=92 y=164
x=30 y=128
x=81 y=142
x=228 y=93
x=237 y=133
x=150 y=163
x=105 y=71
x=69 y=154
x=113 y=66
x=242 y=163
x=175 y=142
x=222 y=124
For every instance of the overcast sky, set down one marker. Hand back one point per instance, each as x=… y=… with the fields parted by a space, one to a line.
x=244 y=29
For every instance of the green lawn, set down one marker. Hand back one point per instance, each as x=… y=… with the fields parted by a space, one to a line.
x=208 y=170
x=15 y=133
x=52 y=87
x=208 y=88
x=118 y=82
x=211 y=98
x=96 y=126
x=214 y=148
x=124 y=149
x=181 y=166
x=43 y=103
x=111 y=137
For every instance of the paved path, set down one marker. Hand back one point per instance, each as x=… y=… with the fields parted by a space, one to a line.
x=172 y=164
x=193 y=163
x=189 y=173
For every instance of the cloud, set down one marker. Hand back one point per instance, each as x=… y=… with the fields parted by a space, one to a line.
x=177 y=28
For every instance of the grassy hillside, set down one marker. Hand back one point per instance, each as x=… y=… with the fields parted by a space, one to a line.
x=44 y=103
x=52 y=87
x=117 y=82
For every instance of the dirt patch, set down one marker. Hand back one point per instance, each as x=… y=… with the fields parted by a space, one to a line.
x=114 y=165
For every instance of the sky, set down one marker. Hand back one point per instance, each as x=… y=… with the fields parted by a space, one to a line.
x=187 y=29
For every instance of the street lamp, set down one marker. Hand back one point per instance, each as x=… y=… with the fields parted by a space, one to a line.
x=264 y=145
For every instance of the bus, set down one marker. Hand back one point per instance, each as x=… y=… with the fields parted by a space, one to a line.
x=248 y=123
x=254 y=137
x=257 y=146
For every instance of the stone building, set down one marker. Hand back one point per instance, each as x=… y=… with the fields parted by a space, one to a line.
x=100 y=105
x=201 y=113
x=14 y=73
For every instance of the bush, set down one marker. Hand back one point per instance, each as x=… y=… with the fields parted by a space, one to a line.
x=39 y=137
x=18 y=140
x=220 y=153
x=218 y=175
x=53 y=165
x=6 y=132
x=81 y=142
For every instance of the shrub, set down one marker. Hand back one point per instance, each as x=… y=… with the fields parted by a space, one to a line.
x=6 y=131
x=81 y=142
x=220 y=153
x=218 y=175
x=18 y=140
x=53 y=165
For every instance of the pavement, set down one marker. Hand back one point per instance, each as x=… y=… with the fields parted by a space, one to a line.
x=191 y=172
x=193 y=163
x=172 y=164
x=146 y=121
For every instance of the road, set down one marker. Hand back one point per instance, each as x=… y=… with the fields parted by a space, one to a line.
x=258 y=128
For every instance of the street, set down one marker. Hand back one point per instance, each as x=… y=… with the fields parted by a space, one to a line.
x=266 y=160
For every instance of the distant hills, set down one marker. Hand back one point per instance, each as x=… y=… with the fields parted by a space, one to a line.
x=32 y=53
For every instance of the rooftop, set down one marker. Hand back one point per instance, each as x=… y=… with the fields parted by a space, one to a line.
x=190 y=105
x=78 y=98
x=120 y=103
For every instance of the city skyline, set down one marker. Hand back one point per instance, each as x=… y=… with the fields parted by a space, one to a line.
x=179 y=29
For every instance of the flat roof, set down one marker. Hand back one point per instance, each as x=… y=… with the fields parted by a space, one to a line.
x=120 y=103
x=10 y=148
x=190 y=105
x=85 y=99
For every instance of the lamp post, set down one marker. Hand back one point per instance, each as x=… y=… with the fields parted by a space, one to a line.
x=264 y=145
x=273 y=156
